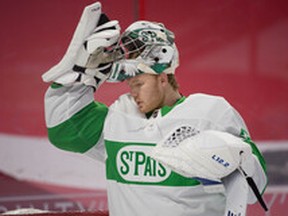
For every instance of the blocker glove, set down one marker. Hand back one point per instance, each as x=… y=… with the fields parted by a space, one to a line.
x=89 y=57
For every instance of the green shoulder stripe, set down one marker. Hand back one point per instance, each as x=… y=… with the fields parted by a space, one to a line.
x=82 y=131
x=255 y=150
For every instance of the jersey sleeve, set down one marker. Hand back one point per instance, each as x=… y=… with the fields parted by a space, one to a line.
x=74 y=120
x=232 y=122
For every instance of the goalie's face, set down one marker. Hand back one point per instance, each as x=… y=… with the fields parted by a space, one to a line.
x=148 y=91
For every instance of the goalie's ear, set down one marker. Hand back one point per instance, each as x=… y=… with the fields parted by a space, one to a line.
x=163 y=78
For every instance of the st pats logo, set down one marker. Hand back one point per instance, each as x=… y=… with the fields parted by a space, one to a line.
x=135 y=164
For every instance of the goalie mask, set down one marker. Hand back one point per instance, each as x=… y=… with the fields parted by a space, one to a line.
x=145 y=47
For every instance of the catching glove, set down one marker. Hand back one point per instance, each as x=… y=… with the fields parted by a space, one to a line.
x=208 y=154
x=211 y=156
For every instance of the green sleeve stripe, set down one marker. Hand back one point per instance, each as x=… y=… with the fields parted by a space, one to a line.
x=82 y=131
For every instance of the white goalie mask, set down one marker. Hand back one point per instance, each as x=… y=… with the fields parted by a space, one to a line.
x=145 y=47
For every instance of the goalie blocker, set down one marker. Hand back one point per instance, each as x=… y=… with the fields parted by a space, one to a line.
x=89 y=57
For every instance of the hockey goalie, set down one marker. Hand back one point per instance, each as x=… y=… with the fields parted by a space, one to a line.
x=165 y=153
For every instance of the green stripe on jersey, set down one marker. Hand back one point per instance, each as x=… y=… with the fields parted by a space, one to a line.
x=130 y=163
x=56 y=85
x=246 y=138
x=167 y=109
x=82 y=131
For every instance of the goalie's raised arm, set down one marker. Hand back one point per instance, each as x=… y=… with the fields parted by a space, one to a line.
x=73 y=119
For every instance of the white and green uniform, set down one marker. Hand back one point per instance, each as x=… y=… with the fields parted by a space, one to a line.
x=123 y=137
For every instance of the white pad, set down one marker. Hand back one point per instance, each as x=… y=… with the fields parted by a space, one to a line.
x=85 y=27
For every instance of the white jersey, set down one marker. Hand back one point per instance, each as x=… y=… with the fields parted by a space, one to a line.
x=137 y=184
